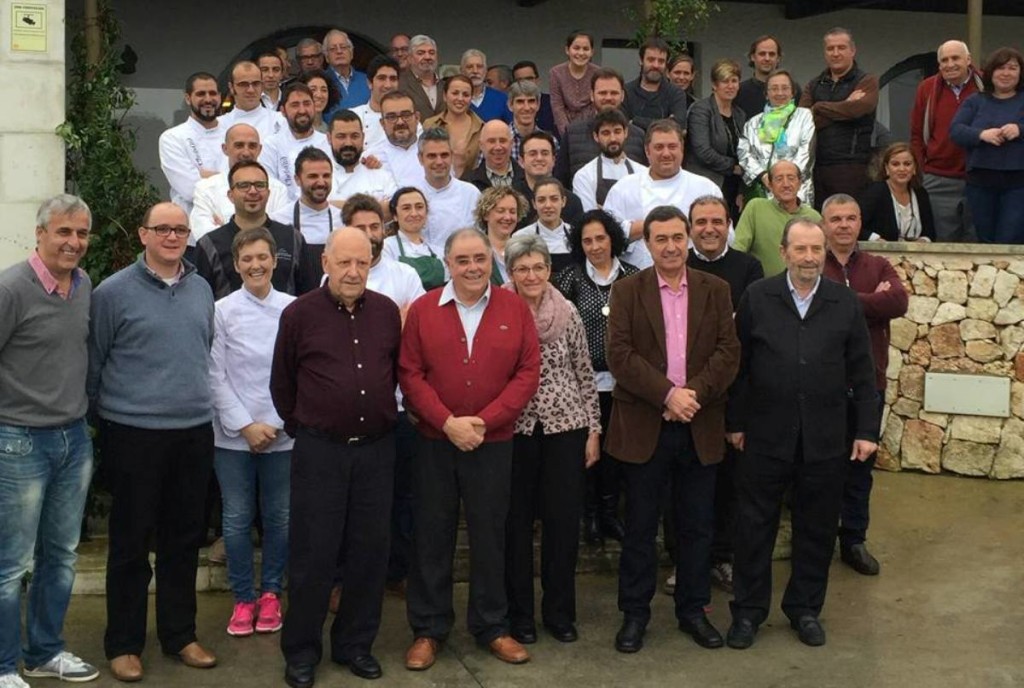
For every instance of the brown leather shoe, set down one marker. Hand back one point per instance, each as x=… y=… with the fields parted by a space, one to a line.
x=422 y=654
x=127 y=668
x=335 y=600
x=196 y=656
x=507 y=649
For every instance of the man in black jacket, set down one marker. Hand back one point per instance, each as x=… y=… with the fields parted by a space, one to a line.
x=806 y=356
x=652 y=96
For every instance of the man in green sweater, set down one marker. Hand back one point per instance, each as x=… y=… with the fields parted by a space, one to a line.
x=45 y=451
x=759 y=231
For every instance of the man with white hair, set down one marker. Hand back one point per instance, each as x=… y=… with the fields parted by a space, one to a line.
x=352 y=84
x=489 y=103
x=421 y=81
x=942 y=161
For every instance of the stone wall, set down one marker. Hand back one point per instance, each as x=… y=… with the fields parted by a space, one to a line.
x=966 y=315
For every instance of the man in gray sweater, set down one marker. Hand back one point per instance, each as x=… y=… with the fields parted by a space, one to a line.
x=45 y=451
x=149 y=354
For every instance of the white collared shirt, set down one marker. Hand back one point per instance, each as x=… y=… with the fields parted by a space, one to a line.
x=377 y=183
x=449 y=208
x=584 y=183
x=802 y=303
x=469 y=316
x=613 y=274
x=314 y=225
x=412 y=249
x=212 y=208
x=185 y=151
x=280 y=151
x=245 y=328
x=373 y=128
x=403 y=163
x=556 y=239
x=711 y=260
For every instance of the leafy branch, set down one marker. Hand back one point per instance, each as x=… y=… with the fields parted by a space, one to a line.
x=672 y=20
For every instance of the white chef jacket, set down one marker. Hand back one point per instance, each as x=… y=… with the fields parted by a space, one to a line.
x=280 y=151
x=584 y=184
x=449 y=208
x=184 y=151
x=266 y=122
x=377 y=183
x=212 y=208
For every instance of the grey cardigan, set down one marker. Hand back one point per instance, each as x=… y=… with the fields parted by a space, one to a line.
x=707 y=142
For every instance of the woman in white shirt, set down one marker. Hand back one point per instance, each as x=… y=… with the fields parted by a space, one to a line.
x=407 y=245
x=549 y=199
x=250 y=443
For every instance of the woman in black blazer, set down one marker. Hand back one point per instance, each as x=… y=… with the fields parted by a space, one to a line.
x=896 y=208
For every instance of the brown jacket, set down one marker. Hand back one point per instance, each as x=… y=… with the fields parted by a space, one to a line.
x=410 y=86
x=638 y=360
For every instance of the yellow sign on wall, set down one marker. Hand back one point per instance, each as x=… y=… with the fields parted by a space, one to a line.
x=28 y=27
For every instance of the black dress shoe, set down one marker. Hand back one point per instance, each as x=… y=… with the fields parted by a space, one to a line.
x=809 y=630
x=702 y=632
x=525 y=633
x=858 y=558
x=741 y=634
x=299 y=675
x=365 y=666
x=563 y=633
x=630 y=637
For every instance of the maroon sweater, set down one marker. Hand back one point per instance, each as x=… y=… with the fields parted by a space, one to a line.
x=934 y=108
x=863 y=273
x=440 y=378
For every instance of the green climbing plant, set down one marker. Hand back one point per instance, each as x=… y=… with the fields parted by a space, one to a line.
x=674 y=21
x=99 y=165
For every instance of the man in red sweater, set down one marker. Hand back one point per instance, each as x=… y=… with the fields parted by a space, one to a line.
x=469 y=364
x=883 y=298
x=943 y=162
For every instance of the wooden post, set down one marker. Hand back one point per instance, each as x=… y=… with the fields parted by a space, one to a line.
x=92 y=33
x=974 y=16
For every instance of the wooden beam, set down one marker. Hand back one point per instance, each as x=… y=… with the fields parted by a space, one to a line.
x=974 y=38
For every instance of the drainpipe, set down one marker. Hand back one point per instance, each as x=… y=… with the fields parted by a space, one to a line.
x=974 y=14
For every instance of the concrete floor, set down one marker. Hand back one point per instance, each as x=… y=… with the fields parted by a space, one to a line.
x=948 y=610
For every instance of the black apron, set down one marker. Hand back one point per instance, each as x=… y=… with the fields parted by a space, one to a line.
x=311 y=261
x=559 y=260
x=605 y=185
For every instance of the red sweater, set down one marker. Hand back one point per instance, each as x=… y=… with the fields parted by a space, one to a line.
x=440 y=378
x=936 y=102
x=863 y=273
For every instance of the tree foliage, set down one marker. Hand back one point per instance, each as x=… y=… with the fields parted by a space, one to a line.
x=671 y=20
x=99 y=150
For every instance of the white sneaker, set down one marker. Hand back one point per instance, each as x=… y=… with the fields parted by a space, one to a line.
x=66 y=667
x=12 y=681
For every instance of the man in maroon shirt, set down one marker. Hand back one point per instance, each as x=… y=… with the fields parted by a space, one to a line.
x=333 y=384
x=883 y=298
x=470 y=362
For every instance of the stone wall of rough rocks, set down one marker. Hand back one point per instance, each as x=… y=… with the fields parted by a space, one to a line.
x=966 y=315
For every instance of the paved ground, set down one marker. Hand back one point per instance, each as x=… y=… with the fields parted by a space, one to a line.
x=948 y=610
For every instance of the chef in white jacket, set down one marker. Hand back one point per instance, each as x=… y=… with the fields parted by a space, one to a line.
x=281 y=149
x=246 y=86
x=192 y=150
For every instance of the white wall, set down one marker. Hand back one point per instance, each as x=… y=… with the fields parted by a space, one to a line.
x=31 y=155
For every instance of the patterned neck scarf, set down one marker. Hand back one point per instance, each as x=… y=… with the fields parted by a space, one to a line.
x=773 y=122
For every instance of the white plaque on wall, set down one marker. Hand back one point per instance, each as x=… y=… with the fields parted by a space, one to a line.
x=970 y=395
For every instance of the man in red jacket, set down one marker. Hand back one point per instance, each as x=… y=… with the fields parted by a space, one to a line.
x=883 y=298
x=943 y=162
x=469 y=363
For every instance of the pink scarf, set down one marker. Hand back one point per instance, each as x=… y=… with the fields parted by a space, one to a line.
x=552 y=315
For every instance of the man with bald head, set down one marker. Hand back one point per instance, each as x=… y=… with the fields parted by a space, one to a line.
x=212 y=207
x=151 y=326
x=943 y=162
x=246 y=87
x=498 y=167
x=333 y=383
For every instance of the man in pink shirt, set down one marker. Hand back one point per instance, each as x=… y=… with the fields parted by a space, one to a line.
x=673 y=350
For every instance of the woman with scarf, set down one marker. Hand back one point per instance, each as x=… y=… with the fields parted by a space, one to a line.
x=782 y=132
x=557 y=437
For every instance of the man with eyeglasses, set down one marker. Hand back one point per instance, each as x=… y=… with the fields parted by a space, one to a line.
x=281 y=150
x=352 y=84
x=399 y=50
x=246 y=86
x=248 y=189
x=151 y=326
x=397 y=152
x=309 y=55
x=383 y=74
x=191 y=151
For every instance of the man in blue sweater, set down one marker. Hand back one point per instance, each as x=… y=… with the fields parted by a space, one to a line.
x=45 y=451
x=149 y=352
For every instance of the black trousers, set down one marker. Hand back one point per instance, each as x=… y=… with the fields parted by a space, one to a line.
x=340 y=502
x=406 y=441
x=604 y=479
x=548 y=473
x=158 y=481
x=761 y=483
x=856 y=512
x=442 y=475
x=725 y=507
x=693 y=493
x=847 y=178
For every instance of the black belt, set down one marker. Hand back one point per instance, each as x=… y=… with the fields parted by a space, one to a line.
x=351 y=441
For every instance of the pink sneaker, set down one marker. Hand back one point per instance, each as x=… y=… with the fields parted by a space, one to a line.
x=242 y=619
x=269 y=619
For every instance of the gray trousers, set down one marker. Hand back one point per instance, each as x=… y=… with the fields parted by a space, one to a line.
x=952 y=217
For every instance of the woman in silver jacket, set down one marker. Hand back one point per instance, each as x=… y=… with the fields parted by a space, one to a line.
x=782 y=132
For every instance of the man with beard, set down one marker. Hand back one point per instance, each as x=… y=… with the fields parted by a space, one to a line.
x=397 y=153
x=246 y=86
x=312 y=214
x=498 y=168
x=399 y=50
x=273 y=73
x=211 y=204
x=652 y=96
x=351 y=176
x=383 y=75
x=421 y=81
x=191 y=151
x=578 y=147
x=593 y=181
x=281 y=150
x=537 y=157
x=489 y=103
x=249 y=186
x=451 y=201
x=765 y=57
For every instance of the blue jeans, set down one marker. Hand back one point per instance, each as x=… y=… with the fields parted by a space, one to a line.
x=237 y=473
x=998 y=213
x=44 y=478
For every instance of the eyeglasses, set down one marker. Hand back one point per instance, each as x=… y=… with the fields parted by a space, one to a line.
x=524 y=270
x=245 y=186
x=180 y=231
x=395 y=116
x=338 y=48
x=245 y=85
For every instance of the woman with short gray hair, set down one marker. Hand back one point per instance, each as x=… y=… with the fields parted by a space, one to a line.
x=557 y=437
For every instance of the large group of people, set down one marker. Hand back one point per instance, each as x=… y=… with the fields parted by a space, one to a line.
x=380 y=302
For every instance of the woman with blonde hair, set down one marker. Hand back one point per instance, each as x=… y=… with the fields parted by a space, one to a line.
x=497 y=214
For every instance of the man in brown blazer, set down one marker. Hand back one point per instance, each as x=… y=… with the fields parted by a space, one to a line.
x=673 y=350
x=420 y=81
